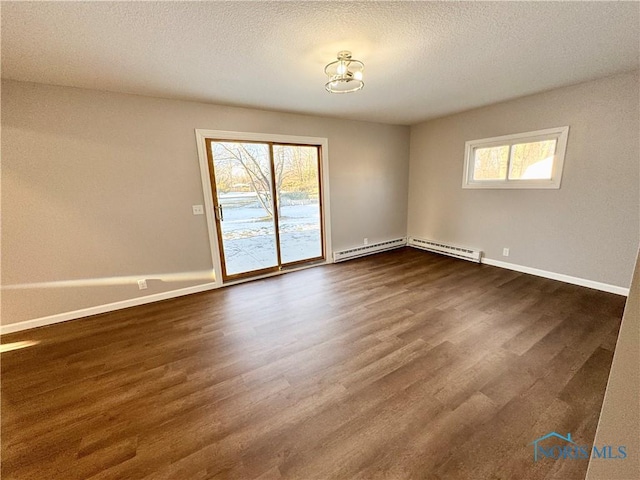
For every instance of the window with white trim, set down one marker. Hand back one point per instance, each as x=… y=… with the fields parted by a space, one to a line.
x=523 y=160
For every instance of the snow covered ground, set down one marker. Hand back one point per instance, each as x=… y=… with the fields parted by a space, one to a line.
x=249 y=236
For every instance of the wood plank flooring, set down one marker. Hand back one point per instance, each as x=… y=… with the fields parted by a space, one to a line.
x=399 y=365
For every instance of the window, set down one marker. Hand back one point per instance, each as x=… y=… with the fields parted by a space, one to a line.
x=523 y=160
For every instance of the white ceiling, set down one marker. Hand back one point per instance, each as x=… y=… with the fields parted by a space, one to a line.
x=422 y=59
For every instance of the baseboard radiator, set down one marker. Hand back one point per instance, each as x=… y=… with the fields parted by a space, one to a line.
x=368 y=249
x=451 y=250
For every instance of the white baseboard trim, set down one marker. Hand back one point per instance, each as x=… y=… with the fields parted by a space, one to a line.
x=109 y=307
x=133 y=302
x=583 y=282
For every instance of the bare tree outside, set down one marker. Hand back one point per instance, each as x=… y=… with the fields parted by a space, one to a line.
x=522 y=160
x=491 y=163
x=246 y=167
x=525 y=156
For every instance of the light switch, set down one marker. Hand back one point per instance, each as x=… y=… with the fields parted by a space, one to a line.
x=198 y=209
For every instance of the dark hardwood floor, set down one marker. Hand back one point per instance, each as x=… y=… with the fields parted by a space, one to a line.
x=399 y=365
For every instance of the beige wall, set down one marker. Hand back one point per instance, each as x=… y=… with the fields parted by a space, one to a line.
x=620 y=416
x=100 y=185
x=589 y=228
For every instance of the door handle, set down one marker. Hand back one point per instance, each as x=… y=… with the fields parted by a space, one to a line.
x=219 y=213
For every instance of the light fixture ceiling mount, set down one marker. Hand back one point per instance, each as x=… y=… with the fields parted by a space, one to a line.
x=345 y=74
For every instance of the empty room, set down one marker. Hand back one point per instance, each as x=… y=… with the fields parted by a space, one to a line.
x=320 y=240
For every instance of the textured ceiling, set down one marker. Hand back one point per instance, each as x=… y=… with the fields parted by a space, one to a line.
x=423 y=59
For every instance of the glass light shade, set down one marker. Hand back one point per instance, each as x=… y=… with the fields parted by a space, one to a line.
x=344 y=75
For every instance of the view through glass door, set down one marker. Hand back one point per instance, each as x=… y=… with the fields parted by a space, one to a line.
x=267 y=200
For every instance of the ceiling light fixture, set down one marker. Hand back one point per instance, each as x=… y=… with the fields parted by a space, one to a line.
x=345 y=74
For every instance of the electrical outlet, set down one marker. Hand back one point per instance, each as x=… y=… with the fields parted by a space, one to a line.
x=366 y=241
x=505 y=252
x=198 y=209
x=142 y=284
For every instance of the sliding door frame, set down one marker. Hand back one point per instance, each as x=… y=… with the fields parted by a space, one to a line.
x=203 y=139
x=323 y=253
x=217 y=218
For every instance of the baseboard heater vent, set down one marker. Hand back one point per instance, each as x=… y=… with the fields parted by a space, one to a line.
x=368 y=249
x=458 y=252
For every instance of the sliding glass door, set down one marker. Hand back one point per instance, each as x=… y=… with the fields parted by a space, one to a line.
x=267 y=201
x=299 y=207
